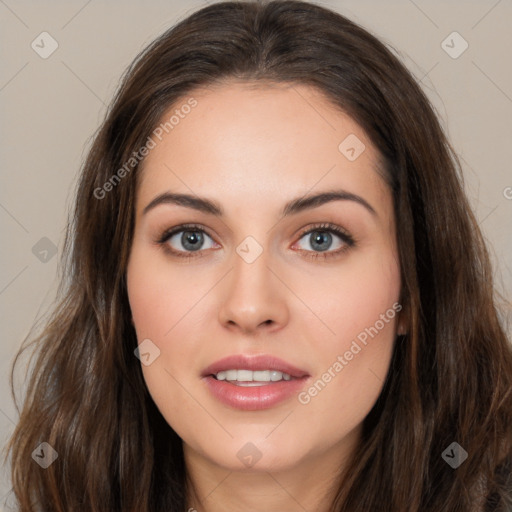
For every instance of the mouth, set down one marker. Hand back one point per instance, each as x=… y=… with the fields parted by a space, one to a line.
x=253 y=382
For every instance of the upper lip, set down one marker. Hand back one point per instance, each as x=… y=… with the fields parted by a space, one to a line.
x=254 y=363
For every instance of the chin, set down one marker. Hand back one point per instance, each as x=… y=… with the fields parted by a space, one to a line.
x=250 y=454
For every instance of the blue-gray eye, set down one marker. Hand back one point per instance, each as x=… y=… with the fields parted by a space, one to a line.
x=191 y=240
x=321 y=240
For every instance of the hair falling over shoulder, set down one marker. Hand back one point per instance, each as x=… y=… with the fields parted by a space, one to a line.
x=451 y=376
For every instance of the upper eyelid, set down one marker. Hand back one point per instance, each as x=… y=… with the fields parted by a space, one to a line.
x=321 y=226
x=324 y=226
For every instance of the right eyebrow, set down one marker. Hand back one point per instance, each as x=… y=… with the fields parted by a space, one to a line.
x=188 y=201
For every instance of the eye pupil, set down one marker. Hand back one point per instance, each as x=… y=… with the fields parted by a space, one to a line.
x=322 y=238
x=191 y=240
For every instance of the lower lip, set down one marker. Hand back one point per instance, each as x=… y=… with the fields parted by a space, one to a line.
x=254 y=398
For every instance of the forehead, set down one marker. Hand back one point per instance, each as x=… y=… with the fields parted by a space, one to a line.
x=251 y=142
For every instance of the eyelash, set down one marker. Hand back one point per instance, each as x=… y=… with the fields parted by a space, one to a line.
x=348 y=240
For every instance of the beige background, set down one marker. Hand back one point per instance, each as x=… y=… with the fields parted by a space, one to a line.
x=51 y=107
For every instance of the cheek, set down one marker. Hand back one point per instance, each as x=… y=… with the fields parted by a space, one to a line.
x=156 y=307
x=156 y=313
x=360 y=307
x=350 y=299
x=167 y=318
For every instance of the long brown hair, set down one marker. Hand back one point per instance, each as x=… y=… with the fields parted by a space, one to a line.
x=450 y=379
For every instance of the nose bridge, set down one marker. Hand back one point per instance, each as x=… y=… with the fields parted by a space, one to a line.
x=251 y=263
x=253 y=295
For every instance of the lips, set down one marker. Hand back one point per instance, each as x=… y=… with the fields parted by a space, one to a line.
x=247 y=397
x=254 y=363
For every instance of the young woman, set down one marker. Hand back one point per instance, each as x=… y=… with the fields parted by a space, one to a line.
x=275 y=295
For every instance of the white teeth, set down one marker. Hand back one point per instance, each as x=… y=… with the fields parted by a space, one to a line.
x=231 y=374
x=244 y=376
x=248 y=376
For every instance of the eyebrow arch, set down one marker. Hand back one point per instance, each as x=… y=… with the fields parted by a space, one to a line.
x=312 y=201
x=292 y=207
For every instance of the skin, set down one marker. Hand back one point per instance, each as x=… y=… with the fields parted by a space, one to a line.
x=252 y=148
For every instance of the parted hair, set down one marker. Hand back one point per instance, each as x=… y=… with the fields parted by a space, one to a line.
x=450 y=377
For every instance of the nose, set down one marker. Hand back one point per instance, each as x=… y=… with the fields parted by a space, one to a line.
x=253 y=297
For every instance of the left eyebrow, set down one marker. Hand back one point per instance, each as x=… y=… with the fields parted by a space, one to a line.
x=313 y=201
x=292 y=207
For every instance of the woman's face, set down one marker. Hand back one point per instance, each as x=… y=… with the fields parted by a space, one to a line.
x=263 y=272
